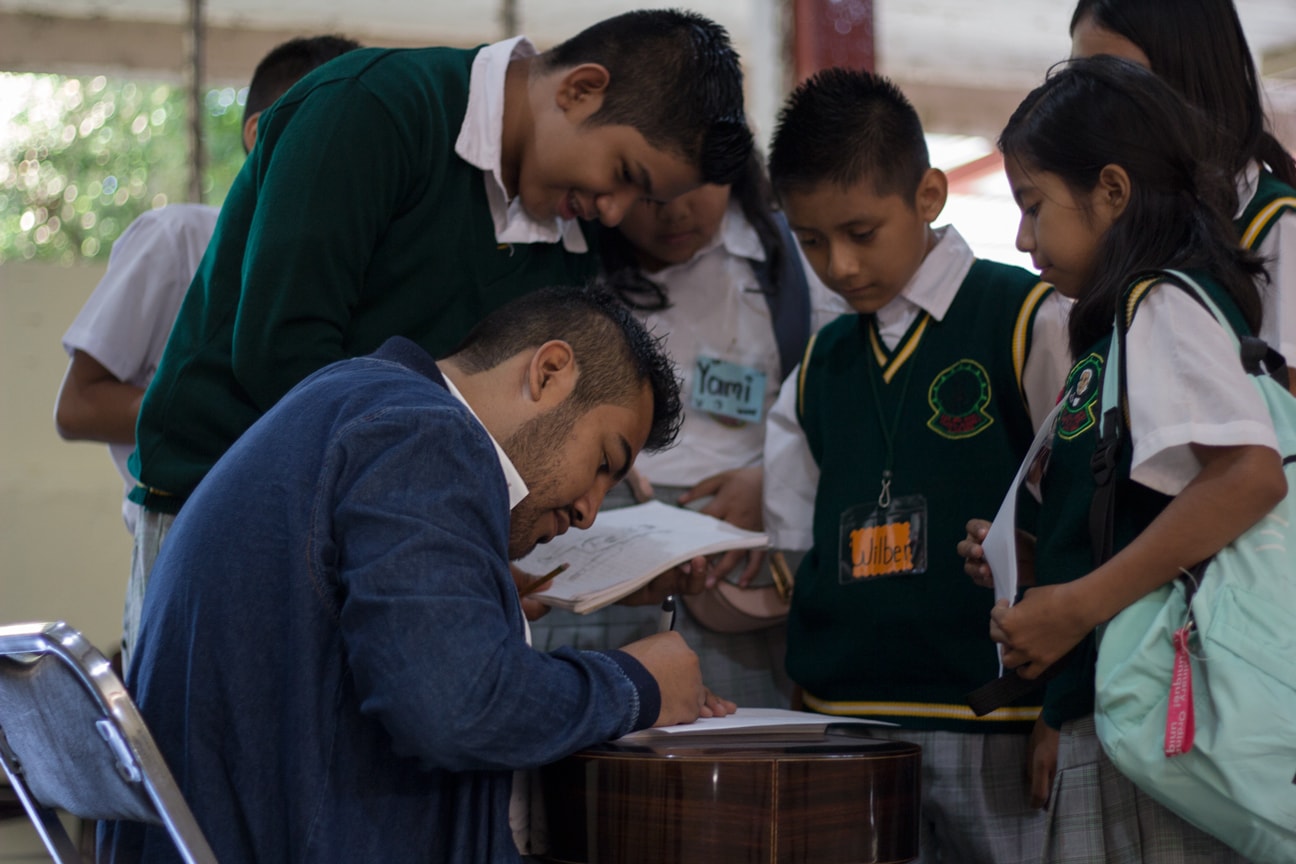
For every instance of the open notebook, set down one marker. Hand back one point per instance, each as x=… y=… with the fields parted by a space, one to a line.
x=625 y=549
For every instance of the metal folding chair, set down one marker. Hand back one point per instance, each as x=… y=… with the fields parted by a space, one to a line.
x=72 y=739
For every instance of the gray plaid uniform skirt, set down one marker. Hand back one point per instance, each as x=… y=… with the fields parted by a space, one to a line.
x=1098 y=816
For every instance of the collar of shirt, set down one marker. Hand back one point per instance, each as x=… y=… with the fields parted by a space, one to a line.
x=517 y=488
x=736 y=235
x=931 y=289
x=480 y=144
x=1248 y=181
x=739 y=236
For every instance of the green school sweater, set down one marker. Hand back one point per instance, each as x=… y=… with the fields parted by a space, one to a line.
x=907 y=647
x=353 y=220
x=1064 y=551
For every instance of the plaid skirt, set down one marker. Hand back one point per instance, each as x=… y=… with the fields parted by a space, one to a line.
x=1097 y=816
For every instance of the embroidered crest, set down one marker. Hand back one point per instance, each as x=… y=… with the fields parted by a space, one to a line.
x=959 y=396
x=1080 y=399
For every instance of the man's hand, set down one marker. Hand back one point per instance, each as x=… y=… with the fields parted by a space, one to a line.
x=717 y=706
x=532 y=608
x=673 y=664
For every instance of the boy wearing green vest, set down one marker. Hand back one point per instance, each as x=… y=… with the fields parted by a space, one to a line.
x=410 y=192
x=901 y=421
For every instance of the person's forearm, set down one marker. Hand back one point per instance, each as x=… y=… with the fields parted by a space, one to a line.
x=1235 y=489
x=103 y=410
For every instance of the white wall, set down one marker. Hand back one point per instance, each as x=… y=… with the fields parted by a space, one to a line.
x=64 y=552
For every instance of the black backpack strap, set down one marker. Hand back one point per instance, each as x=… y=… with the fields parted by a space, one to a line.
x=1257 y=358
x=788 y=298
x=1009 y=688
x=1114 y=429
x=1103 y=462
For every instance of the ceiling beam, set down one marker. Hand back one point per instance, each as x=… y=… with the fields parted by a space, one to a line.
x=142 y=49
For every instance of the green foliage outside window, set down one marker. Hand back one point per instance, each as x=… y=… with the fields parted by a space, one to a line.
x=80 y=158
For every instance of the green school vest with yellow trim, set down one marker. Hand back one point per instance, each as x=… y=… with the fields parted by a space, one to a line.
x=1272 y=199
x=872 y=631
x=1063 y=549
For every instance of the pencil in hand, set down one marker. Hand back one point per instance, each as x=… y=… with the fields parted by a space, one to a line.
x=537 y=584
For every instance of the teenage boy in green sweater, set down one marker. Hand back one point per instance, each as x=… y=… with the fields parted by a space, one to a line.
x=903 y=420
x=410 y=192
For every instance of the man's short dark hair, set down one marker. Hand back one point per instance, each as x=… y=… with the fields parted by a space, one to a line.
x=287 y=63
x=675 y=77
x=845 y=125
x=615 y=354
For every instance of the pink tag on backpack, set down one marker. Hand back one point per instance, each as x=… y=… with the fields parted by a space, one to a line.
x=1179 y=713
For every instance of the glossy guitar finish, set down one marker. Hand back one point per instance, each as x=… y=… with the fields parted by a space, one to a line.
x=769 y=798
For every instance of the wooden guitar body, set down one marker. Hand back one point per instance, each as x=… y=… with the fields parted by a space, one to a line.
x=830 y=797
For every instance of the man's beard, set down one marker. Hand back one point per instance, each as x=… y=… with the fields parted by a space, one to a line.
x=534 y=450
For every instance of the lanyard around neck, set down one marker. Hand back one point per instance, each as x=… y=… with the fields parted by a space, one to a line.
x=889 y=431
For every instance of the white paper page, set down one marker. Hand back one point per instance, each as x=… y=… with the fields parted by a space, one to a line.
x=749 y=719
x=630 y=545
x=1000 y=545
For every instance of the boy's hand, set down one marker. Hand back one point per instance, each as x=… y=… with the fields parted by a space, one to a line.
x=749 y=559
x=640 y=489
x=736 y=499
x=674 y=666
x=1042 y=762
x=973 y=553
x=687 y=578
x=969 y=548
x=735 y=496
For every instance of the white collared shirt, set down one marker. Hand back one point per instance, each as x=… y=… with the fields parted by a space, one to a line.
x=1185 y=386
x=719 y=312
x=480 y=144
x=517 y=488
x=791 y=473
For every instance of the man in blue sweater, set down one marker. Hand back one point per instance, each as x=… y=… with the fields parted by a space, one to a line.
x=333 y=655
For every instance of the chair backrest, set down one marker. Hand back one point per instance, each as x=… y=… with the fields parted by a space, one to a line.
x=72 y=739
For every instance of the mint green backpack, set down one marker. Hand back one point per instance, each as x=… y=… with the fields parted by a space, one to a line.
x=1234 y=772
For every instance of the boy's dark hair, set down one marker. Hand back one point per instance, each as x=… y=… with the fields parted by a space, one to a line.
x=675 y=77
x=615 y=355
x=844 y=125
x=1104 y=111
x=1199 y=47
x=285 y=65
x=754 y=195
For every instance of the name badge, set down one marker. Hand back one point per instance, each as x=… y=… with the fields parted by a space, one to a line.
x=728 y=390
x=883 y=542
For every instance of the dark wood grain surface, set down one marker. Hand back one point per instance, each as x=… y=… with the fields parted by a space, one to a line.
x=835 y=797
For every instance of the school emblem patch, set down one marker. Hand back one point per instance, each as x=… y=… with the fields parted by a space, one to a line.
x=958 y=396
x=1080 y=399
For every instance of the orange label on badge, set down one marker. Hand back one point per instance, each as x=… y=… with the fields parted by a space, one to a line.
x=881 y=549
